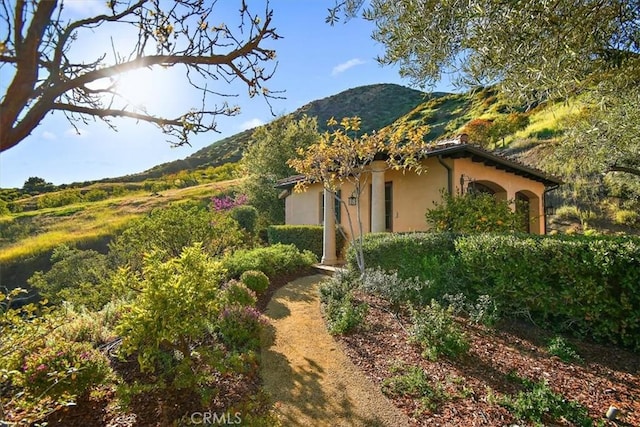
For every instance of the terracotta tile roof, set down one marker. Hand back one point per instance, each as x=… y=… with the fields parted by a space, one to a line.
x=458 y=147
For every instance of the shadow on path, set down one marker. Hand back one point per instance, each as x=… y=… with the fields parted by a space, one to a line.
x=307 y=374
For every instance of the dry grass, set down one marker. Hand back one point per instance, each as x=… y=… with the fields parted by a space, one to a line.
x=83 y=222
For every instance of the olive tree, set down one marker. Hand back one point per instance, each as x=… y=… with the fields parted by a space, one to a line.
x=533 y=51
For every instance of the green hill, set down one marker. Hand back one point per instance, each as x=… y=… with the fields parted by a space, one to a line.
x=377 y=105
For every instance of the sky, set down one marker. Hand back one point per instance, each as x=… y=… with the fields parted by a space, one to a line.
x=314 y=61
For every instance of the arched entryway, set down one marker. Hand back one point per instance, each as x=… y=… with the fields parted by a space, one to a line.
x=487 y=187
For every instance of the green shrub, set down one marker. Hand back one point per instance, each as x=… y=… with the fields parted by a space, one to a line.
x=271 y=260
x=591 y=284
x=64 y=370
x=257 y=281
x=412 y=381
x=174 y=310
x=345 y=315
x=561 y=348
x=625 y=217
x=395 y=289
x=304 y=237
x=436 y=331
x=239 y=328
x=421 y=255
x=342 y=313
x=237 y=293
x=80 y=277
x=474 y=212
x=567 y=212
x=539 y=404
x=247 y=216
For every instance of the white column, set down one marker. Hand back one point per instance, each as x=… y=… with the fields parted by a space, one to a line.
x=329 y=230
x=377 y=196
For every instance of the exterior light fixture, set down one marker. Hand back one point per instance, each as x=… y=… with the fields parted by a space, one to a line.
x=352 y=199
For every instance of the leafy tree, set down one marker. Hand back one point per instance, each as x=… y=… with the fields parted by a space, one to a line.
x=169 y=230
x=77 y=276
x=534 y=50
x=340 y=156
x=37 y=40
x=36 y=185
x=479 y=131
x=265 y=162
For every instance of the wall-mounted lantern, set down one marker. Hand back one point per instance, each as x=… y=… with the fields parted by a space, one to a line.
x=352 y=199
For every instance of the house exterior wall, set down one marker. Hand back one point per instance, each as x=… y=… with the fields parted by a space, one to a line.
x=414 y=194
x=511 y=183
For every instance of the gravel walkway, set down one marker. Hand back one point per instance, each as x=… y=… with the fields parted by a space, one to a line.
x=306 y=372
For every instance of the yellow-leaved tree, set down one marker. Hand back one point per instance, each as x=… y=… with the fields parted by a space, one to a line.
x=341 y=156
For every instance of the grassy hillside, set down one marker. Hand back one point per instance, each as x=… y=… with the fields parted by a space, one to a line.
x=377 y=105
x=27 y=238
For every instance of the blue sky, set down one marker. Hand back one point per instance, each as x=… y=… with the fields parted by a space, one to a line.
x=315 y=60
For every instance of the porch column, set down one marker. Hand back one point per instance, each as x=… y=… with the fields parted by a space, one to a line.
x=377 y=196
x=329 y=230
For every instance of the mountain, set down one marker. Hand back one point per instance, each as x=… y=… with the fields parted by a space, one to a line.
x=377 y=105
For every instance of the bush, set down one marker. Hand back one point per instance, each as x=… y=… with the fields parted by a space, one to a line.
x=304 y=237
x=625 y=217
x=64 y=370
x=412 y=381
x=474 y=212
x=239 y=328
x=436 y=331
x=271 y=260
x=428 y=256
x=174 y=311
x=236 y=293
x=395 y=289
x=342 y=313
x=76 y=276
x=246 y=216
x=538 y=403
x=559 y=347
x=591 y=284
x=257 y=281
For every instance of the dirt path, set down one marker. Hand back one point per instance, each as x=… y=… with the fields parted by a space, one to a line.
x=306 y=372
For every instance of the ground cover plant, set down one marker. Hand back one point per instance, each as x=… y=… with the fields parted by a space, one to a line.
x=162 y=332
x=470 y=357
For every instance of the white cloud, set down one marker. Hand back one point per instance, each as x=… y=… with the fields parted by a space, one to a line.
x=253 y=123
x=49 y=136
x=341 y=68
x=78 y=133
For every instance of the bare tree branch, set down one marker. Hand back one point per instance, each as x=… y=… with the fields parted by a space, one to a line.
x=171 y=33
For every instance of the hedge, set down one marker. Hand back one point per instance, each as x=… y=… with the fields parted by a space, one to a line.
x=588 y=284
x=304 y=237
x=271 y=260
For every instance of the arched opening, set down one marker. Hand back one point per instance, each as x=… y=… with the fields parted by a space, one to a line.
x=487 y=187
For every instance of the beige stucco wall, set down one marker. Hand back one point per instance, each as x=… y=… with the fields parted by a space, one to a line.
x=413 y=194
x=511 y=183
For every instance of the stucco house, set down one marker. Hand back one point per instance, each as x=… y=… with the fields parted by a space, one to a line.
x=397 y=201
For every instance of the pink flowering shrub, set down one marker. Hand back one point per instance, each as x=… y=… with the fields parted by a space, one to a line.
x=64 y=369
x=226 y=203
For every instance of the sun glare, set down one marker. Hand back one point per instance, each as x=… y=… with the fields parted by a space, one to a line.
x=143 y=88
